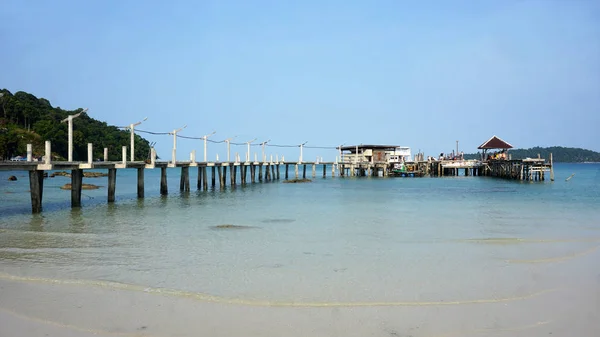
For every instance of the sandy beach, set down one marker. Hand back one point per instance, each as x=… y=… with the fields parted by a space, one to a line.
x=40 y=308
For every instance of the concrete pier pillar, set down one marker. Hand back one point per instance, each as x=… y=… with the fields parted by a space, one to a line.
x=112 y=184
x=304 y=171
x=205 y=178
x=164 y=189
x=36 y=187
x=140 y=182
x=277 y=170
x=232 y=175
x=260 y=175
x=199 y=184
x=273 y=177
x=287 y=166
x=76 y=185
x=213 y=178
x=252 y=173
x=184 y=180
x=296 y=171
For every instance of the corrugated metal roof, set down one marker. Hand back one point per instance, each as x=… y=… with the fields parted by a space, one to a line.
x=495 y=143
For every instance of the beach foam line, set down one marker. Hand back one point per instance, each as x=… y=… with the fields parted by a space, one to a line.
x=72 y=326
x=265 y=303
x=501 y=241
x=492 y=330
x=556 y=259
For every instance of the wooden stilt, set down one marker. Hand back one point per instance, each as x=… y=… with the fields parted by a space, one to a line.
x=205 y=178
x=213 y=177
x=184 y=180
x=140 y=182
x=112 y=184
x=252 y=173
x=304 y=171
x=324 y=171
x=267 y=173
x=287 y=166
x=36 y=187
x=277 y=170
x=272 y=172
x=233 y=175
x=199 y=185
x=224 y=179
x=76 y=184
x=221 y=180
x=164 y=189
x=260 y=174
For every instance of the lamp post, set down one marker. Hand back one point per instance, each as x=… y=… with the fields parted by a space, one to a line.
x=340 y=148
x=248 y=153
x=264 y=158
x=131 y=129
x=228 y=141
x=70 y=123
x=302 y=147
x=205 y=137
x=174 y=133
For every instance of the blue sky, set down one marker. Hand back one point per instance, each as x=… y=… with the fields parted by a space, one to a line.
x=415 y=73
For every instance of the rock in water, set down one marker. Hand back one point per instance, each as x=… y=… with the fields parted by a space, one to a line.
x=12 y=178
x=230 y=226
x=83 y=187
x=296 y=181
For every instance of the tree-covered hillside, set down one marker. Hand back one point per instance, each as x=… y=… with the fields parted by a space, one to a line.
x=25 y=119
x=559 y=154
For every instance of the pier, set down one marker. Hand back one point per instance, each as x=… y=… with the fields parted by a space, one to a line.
x=239 y=172
x=354 y=161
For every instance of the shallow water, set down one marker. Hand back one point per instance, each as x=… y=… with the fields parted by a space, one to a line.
x=335 y=240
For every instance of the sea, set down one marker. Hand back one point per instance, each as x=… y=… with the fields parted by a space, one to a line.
x=334 y=241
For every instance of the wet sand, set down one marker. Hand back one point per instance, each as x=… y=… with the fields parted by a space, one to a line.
x=45 y=309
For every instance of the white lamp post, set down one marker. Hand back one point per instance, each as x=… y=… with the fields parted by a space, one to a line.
x=70 y=121
x=174 y=133
x=301 y=147
x=205 y=138
x=264 y=158
x=248 y=153
x=228 y=141
x=131 y=127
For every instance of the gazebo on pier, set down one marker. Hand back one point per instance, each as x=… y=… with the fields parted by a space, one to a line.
x=495 y=143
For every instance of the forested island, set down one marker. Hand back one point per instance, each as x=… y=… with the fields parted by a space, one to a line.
x=26 y=119
x=559 y=154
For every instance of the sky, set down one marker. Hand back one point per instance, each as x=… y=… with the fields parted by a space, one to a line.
x=422 y=74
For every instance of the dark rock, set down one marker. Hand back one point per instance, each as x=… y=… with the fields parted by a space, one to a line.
x=12 y=178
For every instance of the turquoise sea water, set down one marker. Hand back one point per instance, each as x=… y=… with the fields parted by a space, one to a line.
x=335 y=239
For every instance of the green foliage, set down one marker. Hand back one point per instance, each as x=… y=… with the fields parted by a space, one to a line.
x=559 y=154
x=26 y=119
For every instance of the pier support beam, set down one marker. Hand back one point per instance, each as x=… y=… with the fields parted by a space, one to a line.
x=314 y=170
x=267 y=173
x=296 y=171
x=287 y=166
x=76 y=181
x=205 y=178
x=36 y=187
x=184 y=180
x=221 y=180
x=277 y=170
x=233 y=174
x=199 y=184
x=112 y=184
x=304 y=171
x=140 y=182
x=324 y=171
x=164 y=189
x=213 y=177
x=260 y=175
x=272 y=172
x=243 y=171
x=252 y=173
